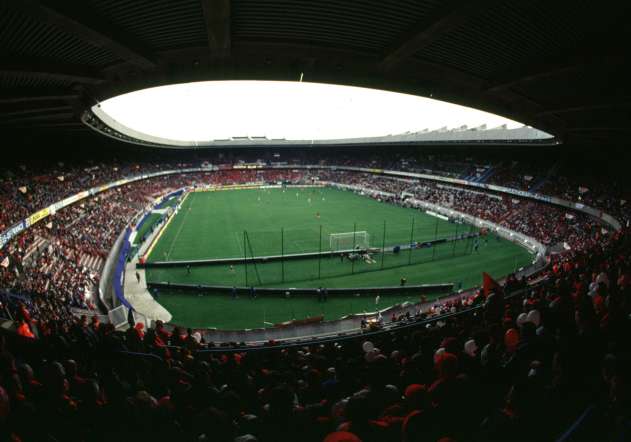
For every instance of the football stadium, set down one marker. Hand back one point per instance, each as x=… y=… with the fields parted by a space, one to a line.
x=314 y=247
x=240 y=221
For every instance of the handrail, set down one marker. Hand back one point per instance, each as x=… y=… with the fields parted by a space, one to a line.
x=567 y=435
x=393 y=327
x=106 y=294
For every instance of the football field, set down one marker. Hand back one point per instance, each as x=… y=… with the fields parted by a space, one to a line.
x=264 y=222
x=212 y=224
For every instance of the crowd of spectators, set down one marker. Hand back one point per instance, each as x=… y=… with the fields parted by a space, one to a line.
x=518 y=368
x=49 y=259
x=548 y=224
x=24 y=190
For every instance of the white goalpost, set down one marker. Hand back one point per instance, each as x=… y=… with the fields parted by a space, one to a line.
x=349 y=240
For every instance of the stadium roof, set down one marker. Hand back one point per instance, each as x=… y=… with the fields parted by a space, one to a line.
x=561 y=67
x=207 y=113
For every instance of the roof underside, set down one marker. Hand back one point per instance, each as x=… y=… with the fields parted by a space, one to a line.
x=559 y=66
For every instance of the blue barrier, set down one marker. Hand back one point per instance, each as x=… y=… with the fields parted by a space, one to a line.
x=123 y=254
x=119 y=271
x=142 y=221
x=576 y=425
x=166 y=198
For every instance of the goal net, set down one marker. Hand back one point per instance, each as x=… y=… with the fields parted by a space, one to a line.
x=349 y=241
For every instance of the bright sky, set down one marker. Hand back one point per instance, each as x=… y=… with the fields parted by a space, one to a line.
x=206 y=111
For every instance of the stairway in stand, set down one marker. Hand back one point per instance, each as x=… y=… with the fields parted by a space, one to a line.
x=95 y=263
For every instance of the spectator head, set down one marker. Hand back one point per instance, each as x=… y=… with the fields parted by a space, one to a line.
x=447 y=366
x=471 y=348
x=341 y=436
x=535 y=317
x=417 y=397
x=511 y=339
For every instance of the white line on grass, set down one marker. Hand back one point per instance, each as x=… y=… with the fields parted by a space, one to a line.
x=177 y=234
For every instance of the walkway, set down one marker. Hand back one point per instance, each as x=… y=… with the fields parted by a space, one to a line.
x=138 y=295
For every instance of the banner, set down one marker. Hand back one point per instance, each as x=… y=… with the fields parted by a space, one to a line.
x=37 y=216
x=248 y=166
x=7 y=235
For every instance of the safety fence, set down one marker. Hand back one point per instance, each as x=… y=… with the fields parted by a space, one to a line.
x=291 y=255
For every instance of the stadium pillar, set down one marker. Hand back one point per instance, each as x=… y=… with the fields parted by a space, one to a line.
x=282 y=254
x=435 y=238
x=453 y=249
x=245 y=259
x=383 y=244
x=256 y=269
x=411 y=241
x=354 y=239
x=466 y=244
x=320 y=254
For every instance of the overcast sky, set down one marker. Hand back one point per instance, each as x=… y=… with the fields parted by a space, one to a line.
x=207 y=111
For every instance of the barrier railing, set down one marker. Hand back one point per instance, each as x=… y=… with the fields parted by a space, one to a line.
x=357 y=334
x=119 y=317
x=106 y=287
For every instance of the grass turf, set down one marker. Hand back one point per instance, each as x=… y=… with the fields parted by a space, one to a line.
x=147 y=226
x=211 y=225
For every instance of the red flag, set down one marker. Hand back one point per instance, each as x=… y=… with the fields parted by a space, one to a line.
x=488 y=284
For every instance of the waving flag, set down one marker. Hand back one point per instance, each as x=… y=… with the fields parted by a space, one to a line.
x=488 y=284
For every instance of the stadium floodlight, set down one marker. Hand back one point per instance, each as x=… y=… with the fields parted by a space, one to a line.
x=349 y=241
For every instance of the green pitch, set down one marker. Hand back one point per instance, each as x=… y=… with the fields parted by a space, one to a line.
x=212 y=225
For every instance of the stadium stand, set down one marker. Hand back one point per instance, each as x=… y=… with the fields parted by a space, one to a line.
x=559 y=333
x=518 y=368
x=62 y=256
x=543 y=356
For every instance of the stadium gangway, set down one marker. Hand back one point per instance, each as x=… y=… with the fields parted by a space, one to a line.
x=357 y=333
